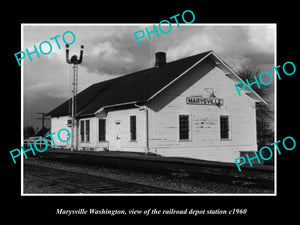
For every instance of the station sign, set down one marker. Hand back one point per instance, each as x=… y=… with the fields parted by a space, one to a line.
x=197 y=100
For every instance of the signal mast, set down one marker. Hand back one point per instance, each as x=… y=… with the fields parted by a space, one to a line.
x=75 y=61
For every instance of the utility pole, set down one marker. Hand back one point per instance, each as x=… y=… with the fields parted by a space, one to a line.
x=75 y=63
x=43 y=118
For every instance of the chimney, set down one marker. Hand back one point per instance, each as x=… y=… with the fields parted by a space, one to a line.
x=160 y=59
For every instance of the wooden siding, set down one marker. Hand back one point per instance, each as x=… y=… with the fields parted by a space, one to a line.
x=92 y=143
x=205 y=141
x=58 y=123
x=118 y=130
x=112 y=117
x=163 y=117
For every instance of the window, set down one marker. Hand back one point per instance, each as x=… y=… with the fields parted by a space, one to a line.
x=87 y=130
x=133 y=128
x=101 y=129
x=184 y=127
x=82 y=130
x=224 y=127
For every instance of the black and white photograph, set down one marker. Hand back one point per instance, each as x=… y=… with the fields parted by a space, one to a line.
x=110 y=112
x=138 y=112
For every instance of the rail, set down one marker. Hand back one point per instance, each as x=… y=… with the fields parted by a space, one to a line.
x=260 y=176
x=77 y=182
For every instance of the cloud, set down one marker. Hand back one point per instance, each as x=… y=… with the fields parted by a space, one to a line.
x=112 y=50
x=262 y=37
x=106 y=58
x=117 y=52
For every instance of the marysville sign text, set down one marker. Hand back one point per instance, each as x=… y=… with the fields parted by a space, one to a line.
x=196 y=100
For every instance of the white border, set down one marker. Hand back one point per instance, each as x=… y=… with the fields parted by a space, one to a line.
x=147 y=24
x=22 y=112
x=275 y=111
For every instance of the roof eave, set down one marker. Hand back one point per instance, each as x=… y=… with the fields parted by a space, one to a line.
x=115 y=105
x=255 y=96
x=178 y=77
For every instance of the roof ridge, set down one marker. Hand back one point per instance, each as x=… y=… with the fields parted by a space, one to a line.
x=100 y=90
x=136 y=86
x=153 y=67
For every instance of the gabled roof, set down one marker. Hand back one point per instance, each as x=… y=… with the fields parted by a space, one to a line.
x=137 y=87
x=42 y=132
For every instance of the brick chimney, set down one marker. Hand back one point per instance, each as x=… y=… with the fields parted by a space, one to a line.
x=160 y=59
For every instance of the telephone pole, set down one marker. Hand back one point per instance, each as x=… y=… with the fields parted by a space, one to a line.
x=43 y=118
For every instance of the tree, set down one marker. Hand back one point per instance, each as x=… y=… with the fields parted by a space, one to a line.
x=28 y=131
x=264 y=113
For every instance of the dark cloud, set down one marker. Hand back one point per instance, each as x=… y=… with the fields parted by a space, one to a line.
x=40 y=102
x=113 y=50
x=119 y=53
x=261 y=58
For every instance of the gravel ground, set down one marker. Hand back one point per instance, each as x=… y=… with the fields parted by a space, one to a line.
x=32 y=185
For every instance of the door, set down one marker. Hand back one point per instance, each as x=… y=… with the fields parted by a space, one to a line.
x=118 y=134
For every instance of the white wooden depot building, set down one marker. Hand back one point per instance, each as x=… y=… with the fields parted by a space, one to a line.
x=184 y=108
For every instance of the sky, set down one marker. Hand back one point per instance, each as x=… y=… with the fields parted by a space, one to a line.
x=111 y=50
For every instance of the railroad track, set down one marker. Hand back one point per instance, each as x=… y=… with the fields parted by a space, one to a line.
x=261 y=177
x=86 y=183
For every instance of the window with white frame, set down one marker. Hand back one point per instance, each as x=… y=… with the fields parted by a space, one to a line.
x=85 y=130
x=133 y=128
x=224 y=127
x=82 y=130
x=184 y=127
x=102 y=125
